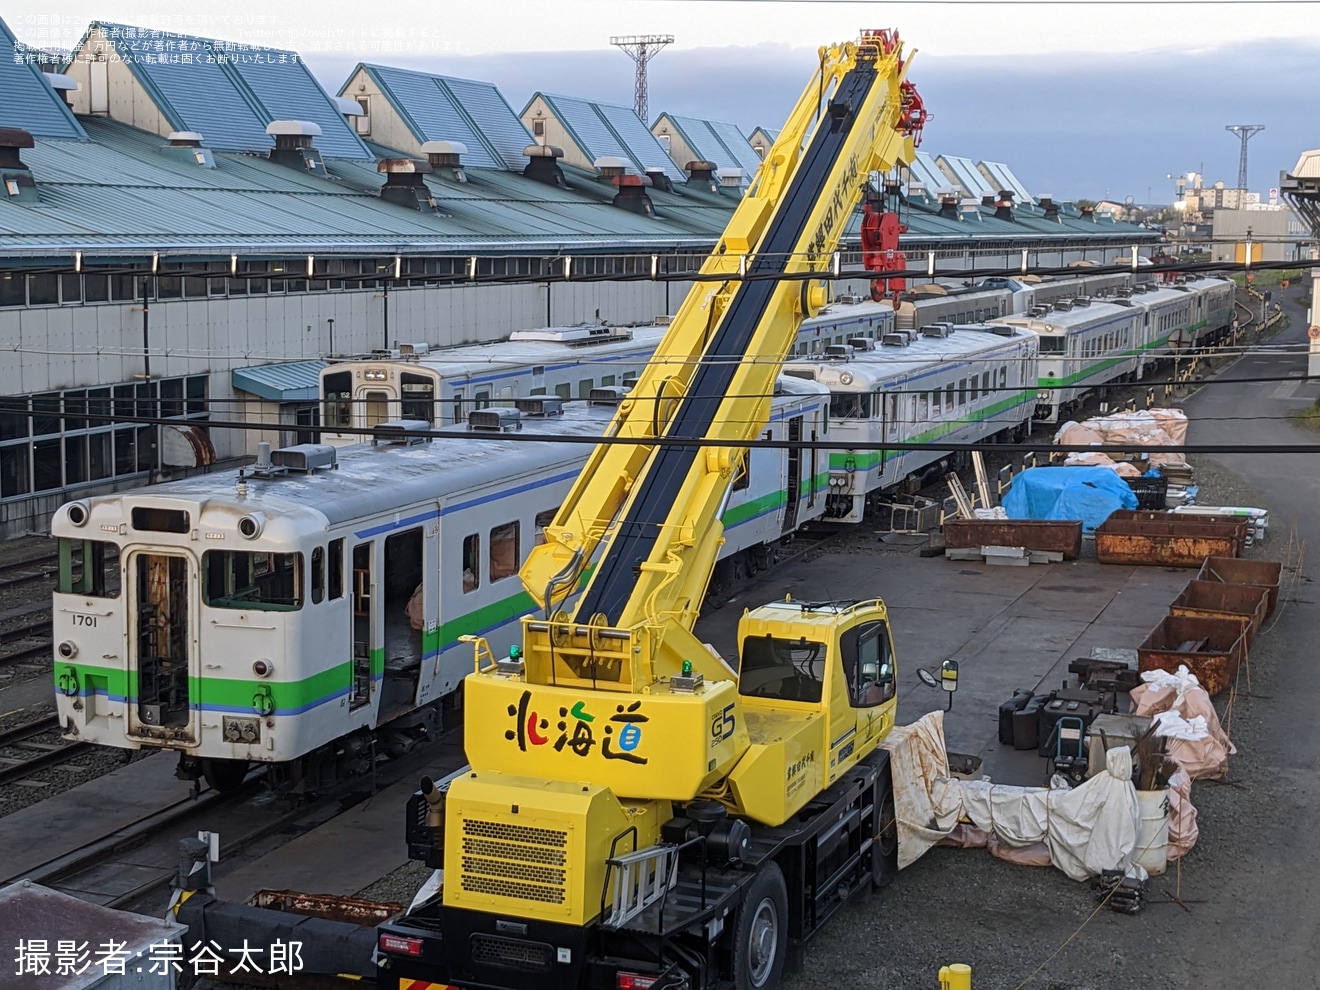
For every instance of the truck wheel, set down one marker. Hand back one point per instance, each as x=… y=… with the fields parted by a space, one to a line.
x=884 y=851
x=225 y=775
x=761 y=935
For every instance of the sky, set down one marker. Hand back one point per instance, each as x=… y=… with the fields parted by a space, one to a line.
x=1081 y=99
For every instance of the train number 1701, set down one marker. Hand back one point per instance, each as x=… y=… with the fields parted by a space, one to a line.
x=84 y=620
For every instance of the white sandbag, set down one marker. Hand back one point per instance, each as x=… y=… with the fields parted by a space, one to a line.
x=1180 y=694
x=416 y=609
x=1183 y=830
x=1094 y=827
x=1173 y=422
x=926 y=798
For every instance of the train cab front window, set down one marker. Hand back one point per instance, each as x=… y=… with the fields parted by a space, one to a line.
x=89 y=568
x=782 y=669
x=1052 y=345
x=850 y=405
x=418 y=394
x=268 y=582
x=337 y=391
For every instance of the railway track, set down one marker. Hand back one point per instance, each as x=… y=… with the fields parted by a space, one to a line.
x=36 y=755
x=29 y=571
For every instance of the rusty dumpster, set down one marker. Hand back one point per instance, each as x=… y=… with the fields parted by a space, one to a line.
x=1232 y=570
x=1212 y=649
x=1033 y=534
x=1135 y=537
x=1243 y=603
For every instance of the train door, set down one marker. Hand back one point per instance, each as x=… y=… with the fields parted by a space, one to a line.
x=364 y=624
x=376 y=407
x=402 y=612
x=162 y=652
x=794 y=481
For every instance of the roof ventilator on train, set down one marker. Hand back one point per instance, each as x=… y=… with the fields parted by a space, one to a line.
x=861 y=343
x=937 y=330
x=411 y=352
x=540 y=405
x=898 y=338
x=497 y=419
x=576 y=336
x=606 y=395
x=303 y=458
x=401 y=433
x=838 y=352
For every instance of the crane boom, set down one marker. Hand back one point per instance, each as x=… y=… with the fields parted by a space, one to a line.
x=615 y=760
x=641 y=526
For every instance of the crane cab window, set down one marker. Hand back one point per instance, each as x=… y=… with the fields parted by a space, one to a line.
x=782 y=669
x=504 y=557
x=868 y=665
x=268 y=582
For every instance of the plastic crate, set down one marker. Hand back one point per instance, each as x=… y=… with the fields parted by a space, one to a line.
x=1151 y=492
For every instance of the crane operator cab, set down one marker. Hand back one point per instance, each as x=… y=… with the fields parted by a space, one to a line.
x=818 y=686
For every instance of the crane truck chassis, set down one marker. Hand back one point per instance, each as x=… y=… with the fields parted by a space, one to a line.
x=635 y=814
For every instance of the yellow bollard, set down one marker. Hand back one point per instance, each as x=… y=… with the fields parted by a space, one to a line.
x=957 y=976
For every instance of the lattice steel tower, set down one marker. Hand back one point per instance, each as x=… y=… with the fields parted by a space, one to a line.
x=1245 y=132
x=642 y=48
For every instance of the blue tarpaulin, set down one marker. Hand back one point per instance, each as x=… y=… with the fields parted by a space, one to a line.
x=1068 y=493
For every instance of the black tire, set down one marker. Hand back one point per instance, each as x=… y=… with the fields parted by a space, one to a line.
x=225 y=775
x=884 y=850
x=760 y=939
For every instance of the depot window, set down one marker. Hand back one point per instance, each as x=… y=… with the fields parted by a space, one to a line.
x=244 y=579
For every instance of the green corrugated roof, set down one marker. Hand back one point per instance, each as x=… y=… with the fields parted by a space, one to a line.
x=290 y=381
x=26 y=99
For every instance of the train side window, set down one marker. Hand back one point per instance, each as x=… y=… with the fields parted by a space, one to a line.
x=471 y=563
x=742 y=478
x=948 y=397
x=1003 y=376
x=504 y=556
x=318 y=575
x=100 y=569
x=936 y=406
x=585 y=386
x=481 y=400
x=241 y=579
x=962 y=391
x=985 y=385
x=564 y=391
x=542 y=520
x=336 y=569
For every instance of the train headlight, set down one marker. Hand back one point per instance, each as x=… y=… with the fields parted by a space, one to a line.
x=845 y=378
x=68 y=649
x=78 y=513
x=262 y=668
x=249 y=527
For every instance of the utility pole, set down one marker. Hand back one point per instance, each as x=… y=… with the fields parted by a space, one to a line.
x=641 y=48
x=1245 y=132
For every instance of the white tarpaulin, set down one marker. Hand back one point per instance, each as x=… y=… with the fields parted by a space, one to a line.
x=1088 y=829
x=1138 y=429
x=1184 y=714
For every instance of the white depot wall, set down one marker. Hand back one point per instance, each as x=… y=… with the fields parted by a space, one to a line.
x=56 y=347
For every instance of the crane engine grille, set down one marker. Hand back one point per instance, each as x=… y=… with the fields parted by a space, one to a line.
x=515 y=861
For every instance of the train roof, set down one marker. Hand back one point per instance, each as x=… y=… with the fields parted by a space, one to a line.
x=370 y=479
x=886 y=363
x=577 y=345
x=1101 y=309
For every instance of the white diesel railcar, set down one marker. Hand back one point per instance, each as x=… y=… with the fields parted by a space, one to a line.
x=1087 y=343
x=961 y=384
x=312 y=612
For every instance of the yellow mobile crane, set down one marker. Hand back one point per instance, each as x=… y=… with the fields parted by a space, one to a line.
x=636 y=814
